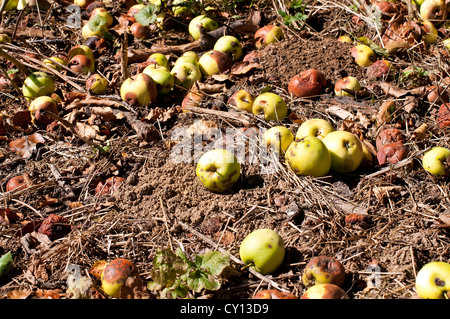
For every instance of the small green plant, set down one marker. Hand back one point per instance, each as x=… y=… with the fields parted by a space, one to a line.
x=148 y=14
x=175 y=276
x=295 y=13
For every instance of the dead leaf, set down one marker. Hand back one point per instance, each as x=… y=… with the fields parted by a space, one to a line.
x=444 y=220
x=410 y=104
x=25 y=146
x=381 y=192
x=420 y=133
x=18 y=294
x=243 y=67
x=385 y=112
x=201 y=127
x=48 y=293
x=89 y=132
x=10 y=216
x=34 y=241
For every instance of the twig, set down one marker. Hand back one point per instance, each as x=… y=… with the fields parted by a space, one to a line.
x=236 y=260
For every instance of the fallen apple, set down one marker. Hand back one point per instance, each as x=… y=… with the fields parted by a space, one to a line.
x=433 y=10
x=274 y=294
x=81 y=49
x=189 y=59
x=271 y=106
x=345 y=149
x=325 y=291
x=96 y=84
x=81 y=64
x=307 y=83
x=433 y=280
x=230 y=45
x=308 y=156
x=133 y=10
x=345 y=39
x=437 y=161
x=104 y=13
x=186 y=74
x=278 y=138
x=204 y=22
x=37 y=84
x=391 y=153
x=115 y=277
x=139 y=31
x=55 y=62
x=363 y=54
x=42 y=103
x=83 y=4
x=443 y=116
x=139 y=90
x=164 y=80
x=347 y=86
x=430 y=32
x=267 y=35
x=181 y=8
x=89 y=30
x=380 y=69
x=159 y=59
x=214 y=62
x=242 y=99
x=192 y=99
x=314 y=127
x=263 y=249
x=218 y=170
x=323 y=270
x=11 y=5
x=16 y=183
x=389 y=135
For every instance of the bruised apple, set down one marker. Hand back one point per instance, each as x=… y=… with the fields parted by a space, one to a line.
x=347 y=86
x=96 y=84
x=271 y=106
x=139 y=90
x=37 y=84
x=229 y=45
x=201 y=22
x=314 y=127
x=218 y=170
x=263 y=249
x=274 y=294
x=323 y=270
x=307 y=83
x=81 y=64
x=325 y=291
x=242 y=99
x=39 y=104
x=391 y=153
x=433 y=10
x=433 y=280
x=16 y=183
x=363 y=54
x=278 y=139
x=267 y=35
x=192 y=99
x=308 y=156
x=380 y=69
x=213 y=62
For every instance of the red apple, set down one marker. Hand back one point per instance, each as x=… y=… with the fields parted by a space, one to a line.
x=391 y=153
x=139 y=31
x=267 y=35
x=81 y=64
x=274 y=294
x=16 y=183
x=42 y=103
x=323 y=269
x=307 y=83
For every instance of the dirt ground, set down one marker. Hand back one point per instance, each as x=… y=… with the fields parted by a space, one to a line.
x=161 y=203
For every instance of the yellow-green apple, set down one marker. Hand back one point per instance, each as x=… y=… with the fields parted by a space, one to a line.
x=418 y=3
x=271 y=106
x=81 y=49
x=323 y=270
x=181 y=8
x=278 y=138
x=159 y=58
x=163 y=78
x=37 y=84
x=115 y=278
x=307 y=83
x=153 y=66
x=81 y=64
x=201 y=22
x=229 y=45
x=186 y=74
x=218 y=170
x=437 y=161
x=214 y=62
x=349 y=83
x=242 y=99
x=83 y=4
x=267 y=35
x=363 y=54
x=433 y=10
x=308 y=156
x=187 y=58
x=139 y=90
x=367 y=160
x=191 y=54
x=446 y=43
x=4 y=38
x=54 y=62
x=345 y=149
x=345 y=39
x=430 y=32
x=433 y=280
x=325 y=291
x=96 y=84
x=105 y=14
x=91 y=29
x=40 y=103
x=314 y=127
x=263 y=249
x=11 y=5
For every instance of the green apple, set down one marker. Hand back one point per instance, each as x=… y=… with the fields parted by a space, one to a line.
x=242 y=99
x=267 y=35
x=83 y=4
x=431 y=33
x=37 y=84
x=433 y=10
x=191 y=54
x=418 y=3
x=436 y=161
x=96 y=84
x=159 y=58
x=314 y=127
x=308 y=156
x=186 y=74
x=323 y=270
x=218 y=170
x=4 y=38
x=347 y=83
x=345 y=149
x=363 y=54
x=271 y=105
x=186 y=58
x=180 y=8
x=51 y=62
x=99 y=30
x=214 y=62
x=201 y=22
x=446 y=43
x=163 y=78
x=11 y=5
x=139 y=90
x=433 y=280
x=325 y=291
x=278 y=139
x=263 y=249
x=40 y=103
x=230 y=45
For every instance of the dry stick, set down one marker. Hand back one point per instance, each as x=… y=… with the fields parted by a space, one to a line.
x=243 y=119
x=14 y=61
x=236 y=260
x=124 y=56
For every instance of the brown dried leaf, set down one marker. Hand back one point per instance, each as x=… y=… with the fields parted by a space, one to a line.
x=10 y=216
x=18 y=294
x=25 y=146
x=444 y=220
x=88 y=132
x=201 y=127
x=243 y=67
x=385 y=112
x=420 y=133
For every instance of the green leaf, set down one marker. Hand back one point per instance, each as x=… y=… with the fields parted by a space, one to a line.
x=199 y=279
x=5 y=263
x=97 y=23
x=213 y=261
x=147 y=15
x=379 y=50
